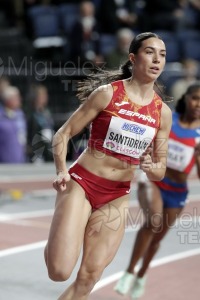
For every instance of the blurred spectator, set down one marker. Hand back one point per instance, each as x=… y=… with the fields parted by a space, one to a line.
x=4 y=83
x=195 y=10
x=40 y=125
x=190 y=69
x=120 y=54
x=85 y=36
x=30 y=3
x=115 y=14
x=58 y=2
x=13 y=128
x=27 y=22
x=166 y=15
x=7 y=13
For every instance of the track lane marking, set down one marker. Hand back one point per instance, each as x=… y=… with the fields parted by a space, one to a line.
x=155 y=263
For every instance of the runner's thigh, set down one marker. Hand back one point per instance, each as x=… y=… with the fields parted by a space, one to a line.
x=72 y=211
x=104 y=233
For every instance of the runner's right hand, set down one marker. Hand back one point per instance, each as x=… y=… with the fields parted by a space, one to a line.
x=60 y=183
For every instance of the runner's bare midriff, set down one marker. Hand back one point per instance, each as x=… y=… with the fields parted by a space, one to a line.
x=106 y=166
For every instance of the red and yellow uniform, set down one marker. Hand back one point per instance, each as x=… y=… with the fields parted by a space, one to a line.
x=125 y=129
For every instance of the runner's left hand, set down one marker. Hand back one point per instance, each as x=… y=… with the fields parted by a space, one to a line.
x=146 y=162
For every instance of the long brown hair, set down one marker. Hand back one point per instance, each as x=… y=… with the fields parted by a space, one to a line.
x=101 y=76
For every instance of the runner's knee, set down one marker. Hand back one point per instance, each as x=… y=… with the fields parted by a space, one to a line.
x=89 y=275
x=59 y=272
x=154 y=222
x=155 y=244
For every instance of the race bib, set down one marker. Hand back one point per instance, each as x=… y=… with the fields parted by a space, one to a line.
x=179 y=155
x=127 y=137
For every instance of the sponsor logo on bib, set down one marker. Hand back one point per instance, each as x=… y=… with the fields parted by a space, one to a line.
x=127 y=137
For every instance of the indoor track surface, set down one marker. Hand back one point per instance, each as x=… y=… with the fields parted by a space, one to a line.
x=26 y=208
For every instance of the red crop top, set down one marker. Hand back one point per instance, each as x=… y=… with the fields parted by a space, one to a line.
x=125 y=129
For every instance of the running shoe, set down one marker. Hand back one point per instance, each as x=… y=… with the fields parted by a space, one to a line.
x=124 y=284
x=138 y=288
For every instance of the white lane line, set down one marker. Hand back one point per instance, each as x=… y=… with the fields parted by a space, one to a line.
x=48 y=212
x=29 y=223
x=19 y=249
x=42 y=193
x=193 y=183
x=193 y=198
x=26 y=178
x=24 y=215
x=132 y=228
x=186 y=222
x=155 y=263
x=129 y=229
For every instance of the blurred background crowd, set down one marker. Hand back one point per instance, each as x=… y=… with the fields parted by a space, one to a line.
x=46 y=46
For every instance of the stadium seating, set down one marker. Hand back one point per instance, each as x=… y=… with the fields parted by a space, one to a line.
x=46 y=27
x=68 y=14
x=189 y=41
x=107 y=43
x=172 y=45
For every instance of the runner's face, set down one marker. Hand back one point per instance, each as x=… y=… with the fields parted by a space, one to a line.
x=150 y=60
x=193 y=104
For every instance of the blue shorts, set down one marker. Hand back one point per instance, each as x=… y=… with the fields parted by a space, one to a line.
x=173 y=194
